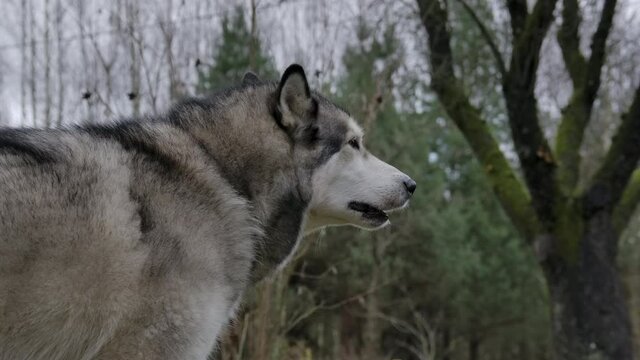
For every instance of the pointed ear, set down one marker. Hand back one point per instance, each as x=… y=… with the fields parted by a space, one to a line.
x=294 y=96
x=250 y=78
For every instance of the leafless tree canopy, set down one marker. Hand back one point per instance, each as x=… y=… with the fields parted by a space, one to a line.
x=65 y=61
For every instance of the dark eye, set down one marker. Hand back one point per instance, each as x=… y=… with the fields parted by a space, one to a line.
x=354 y=143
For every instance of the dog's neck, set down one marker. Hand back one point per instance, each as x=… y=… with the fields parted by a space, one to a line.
x=261 y=166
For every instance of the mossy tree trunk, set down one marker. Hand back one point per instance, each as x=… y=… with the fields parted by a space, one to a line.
x=590 y=320
x=573 y=229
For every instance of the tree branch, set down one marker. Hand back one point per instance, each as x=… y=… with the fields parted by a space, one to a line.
x=526 y=47
x=628 y=203
x=487 y=37
x=569 y=41
x=622 y=159
x=533 y=150
x=518 y=14
x=586 y=82
x=509 y=190
x=598 y=50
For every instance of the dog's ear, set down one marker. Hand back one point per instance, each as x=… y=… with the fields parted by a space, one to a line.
x=250 y=78
x=294 y=97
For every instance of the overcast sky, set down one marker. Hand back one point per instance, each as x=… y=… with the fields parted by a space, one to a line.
x=311 y=32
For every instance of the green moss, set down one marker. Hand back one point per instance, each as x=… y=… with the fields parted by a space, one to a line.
x=510 y=191
x=569 y=229
x=568 y=141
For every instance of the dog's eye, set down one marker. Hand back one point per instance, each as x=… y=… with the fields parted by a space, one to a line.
x=354 y=143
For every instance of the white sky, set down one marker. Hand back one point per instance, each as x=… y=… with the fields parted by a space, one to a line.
x=311 y=32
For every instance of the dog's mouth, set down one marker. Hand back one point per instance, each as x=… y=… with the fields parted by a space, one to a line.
x=370 y=213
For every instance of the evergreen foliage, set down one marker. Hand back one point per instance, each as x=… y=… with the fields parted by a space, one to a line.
x=237 y=52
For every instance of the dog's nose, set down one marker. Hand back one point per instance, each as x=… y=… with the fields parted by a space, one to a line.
x=410 y=185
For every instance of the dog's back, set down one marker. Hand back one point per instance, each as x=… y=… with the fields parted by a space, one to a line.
x=107 y=240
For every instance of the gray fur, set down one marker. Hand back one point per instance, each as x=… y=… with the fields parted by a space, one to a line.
x=136 y=240
x=250 y=78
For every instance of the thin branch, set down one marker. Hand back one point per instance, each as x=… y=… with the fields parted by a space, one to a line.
x=487 y=37
x=620 y=162
x=535 y=155
x=305 y=314
x=152 y=83
x=586 y=83
x=322 y=306
x=421 y=330
x=99 y=99
x=509 y=190
x=107 y=66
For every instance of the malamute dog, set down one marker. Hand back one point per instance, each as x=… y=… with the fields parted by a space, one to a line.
x=136 y=240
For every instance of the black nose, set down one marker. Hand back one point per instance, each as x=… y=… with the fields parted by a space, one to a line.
x=410 y=185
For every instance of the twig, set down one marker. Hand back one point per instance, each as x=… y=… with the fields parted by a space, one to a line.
x=487 y=37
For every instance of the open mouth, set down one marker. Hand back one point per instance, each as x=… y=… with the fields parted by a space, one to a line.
x=369 y=212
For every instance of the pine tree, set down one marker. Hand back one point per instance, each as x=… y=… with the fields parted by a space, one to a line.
x=237 y=52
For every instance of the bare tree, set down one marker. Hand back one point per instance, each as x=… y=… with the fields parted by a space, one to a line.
x=47 y=66
x=87 y=90
x=167 y=27
x=134 y=62
x=106 y=60
x=60 y=62
x=23 y=61
x=32 y=62
x=254 y=36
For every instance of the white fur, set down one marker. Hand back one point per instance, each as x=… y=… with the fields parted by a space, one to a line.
x=354 y=175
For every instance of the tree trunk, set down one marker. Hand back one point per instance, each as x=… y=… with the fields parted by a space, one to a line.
x=48 y=93
x=446 y=343
x=88 y=90
x=590 y=317
x=371 y=331
x=134 y=64
x=61 y=67
x=168 y=34
x=633 y=286
x=474 y=347
x=254 y=38
x=32 y=63
x=23 y=62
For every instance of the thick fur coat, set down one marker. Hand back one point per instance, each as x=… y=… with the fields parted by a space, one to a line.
x=136 y=240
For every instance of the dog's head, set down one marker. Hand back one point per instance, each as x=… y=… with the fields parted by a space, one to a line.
x=350 y=186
